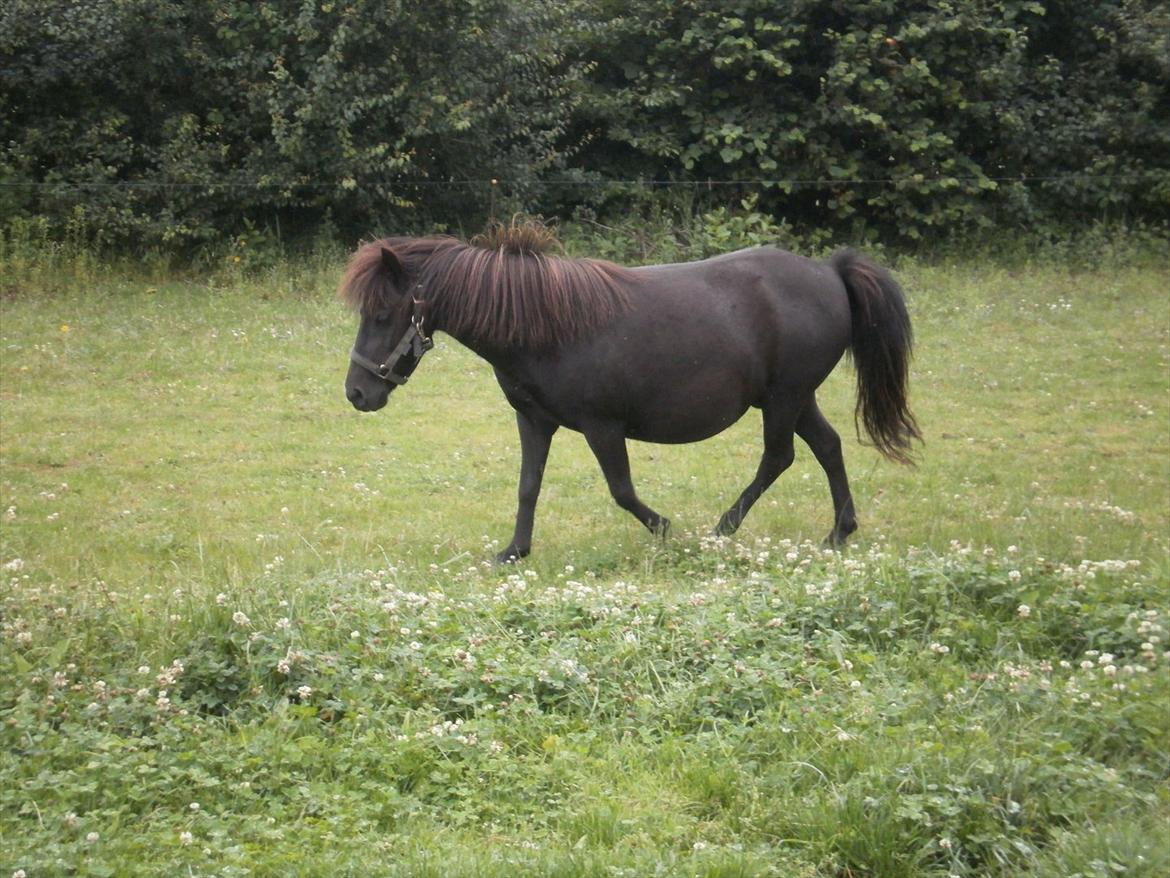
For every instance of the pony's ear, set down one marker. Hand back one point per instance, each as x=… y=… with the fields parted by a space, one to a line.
x=393 y=267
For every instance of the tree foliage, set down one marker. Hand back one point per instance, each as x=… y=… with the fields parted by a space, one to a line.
x=176 y=124
x=892 y=118
x=179 y=121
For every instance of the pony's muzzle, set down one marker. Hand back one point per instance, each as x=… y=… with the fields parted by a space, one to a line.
x=363 y=401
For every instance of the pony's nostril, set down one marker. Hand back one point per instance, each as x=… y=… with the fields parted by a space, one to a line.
x=354 y=395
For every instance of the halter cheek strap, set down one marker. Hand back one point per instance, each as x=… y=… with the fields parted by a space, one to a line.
x=407 y=353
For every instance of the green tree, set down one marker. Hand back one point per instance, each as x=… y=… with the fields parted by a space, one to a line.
x=176 y=122
x=874 y=117
x=1095 y=107
x=161 y=122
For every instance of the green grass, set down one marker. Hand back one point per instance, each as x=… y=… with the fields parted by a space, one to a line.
x=224 y=588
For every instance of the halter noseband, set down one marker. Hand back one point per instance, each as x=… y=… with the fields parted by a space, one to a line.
x=409 y=350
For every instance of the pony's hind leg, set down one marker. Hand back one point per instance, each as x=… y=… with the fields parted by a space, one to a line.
x=820 y=436
x=778 y=455
x=608 y=443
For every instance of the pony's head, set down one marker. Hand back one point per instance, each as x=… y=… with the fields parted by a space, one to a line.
x=392 y=333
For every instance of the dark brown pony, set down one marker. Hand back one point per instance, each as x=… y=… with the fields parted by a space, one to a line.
x=664 y=353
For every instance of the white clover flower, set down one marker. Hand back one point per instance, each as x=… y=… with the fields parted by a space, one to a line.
x=186 y=838
x=283 y=623
x=91 y=837
x=1023 y=611
x=221 y=599
x=241 y=619
x=304 y=692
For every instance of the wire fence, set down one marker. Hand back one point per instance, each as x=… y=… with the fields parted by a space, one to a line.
x=597 y=184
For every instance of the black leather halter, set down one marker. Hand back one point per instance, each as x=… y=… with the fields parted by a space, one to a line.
x=400 y=362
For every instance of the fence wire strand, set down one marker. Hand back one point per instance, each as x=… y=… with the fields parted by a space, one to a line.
x=496 y=183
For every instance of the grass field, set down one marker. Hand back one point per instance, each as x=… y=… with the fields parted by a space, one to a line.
x=247 y=630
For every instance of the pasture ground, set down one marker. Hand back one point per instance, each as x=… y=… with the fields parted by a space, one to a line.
x=247 y=630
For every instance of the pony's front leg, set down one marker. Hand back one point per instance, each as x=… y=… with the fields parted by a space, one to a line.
x=608 y=443
x=535 y=438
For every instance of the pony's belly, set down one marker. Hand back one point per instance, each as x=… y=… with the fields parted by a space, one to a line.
x=677 y=425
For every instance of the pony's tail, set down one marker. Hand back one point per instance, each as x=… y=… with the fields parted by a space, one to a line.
x=881 y=349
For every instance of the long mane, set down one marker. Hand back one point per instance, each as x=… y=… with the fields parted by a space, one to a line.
x=503 y=288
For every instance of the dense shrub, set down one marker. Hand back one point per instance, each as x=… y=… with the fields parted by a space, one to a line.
x=891 y=119
x=173 y=124
x=178 y=122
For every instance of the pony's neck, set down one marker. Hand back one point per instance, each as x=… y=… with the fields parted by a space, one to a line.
x=499 y=355
x=500 y=301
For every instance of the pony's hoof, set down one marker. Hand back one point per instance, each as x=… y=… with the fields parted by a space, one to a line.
x=726 y=527
x=838 y=535
x=511 y=555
